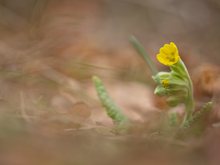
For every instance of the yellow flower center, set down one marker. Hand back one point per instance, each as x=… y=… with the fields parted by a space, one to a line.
x=168 y=54
x=165 y=83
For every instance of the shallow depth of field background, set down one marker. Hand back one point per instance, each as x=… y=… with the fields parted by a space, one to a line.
x=50 y=49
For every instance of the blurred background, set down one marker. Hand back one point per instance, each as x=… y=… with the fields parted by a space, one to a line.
x=50 y=49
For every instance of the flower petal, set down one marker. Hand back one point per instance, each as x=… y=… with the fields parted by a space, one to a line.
x=168 y=54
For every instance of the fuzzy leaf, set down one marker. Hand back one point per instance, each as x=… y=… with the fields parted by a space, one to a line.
x=113 y=111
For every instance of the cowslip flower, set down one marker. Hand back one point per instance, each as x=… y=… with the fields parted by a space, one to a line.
x=168 y=54
x=176 y=84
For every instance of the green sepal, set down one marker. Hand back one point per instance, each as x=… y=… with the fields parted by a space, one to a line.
x=160 y=91
x=173 y=78
x=172 y=90
x=173 y=101
x=161 y=76
x=179 y=68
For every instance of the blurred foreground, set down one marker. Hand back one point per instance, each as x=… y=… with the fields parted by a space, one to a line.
x=49 y=111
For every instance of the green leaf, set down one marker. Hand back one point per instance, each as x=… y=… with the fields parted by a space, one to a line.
x=141 y=51
x=113 y=111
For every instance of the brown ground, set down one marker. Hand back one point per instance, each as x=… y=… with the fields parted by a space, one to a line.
x=49 y=111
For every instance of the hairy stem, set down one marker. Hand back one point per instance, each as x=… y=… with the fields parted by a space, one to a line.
x=189 y=103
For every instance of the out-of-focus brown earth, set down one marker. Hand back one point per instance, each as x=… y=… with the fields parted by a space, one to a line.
x=49 y=111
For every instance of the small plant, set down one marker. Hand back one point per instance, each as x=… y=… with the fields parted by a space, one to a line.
x=112 y=110
x=176 y=85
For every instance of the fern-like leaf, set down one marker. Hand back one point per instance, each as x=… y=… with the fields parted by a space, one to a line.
x=198 y=115
x=113 y=111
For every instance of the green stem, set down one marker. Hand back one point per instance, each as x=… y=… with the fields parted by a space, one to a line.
x=189 y=103
x=189 y=108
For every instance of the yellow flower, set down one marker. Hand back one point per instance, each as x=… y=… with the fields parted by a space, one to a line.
x=165 y=83
x=168 y=54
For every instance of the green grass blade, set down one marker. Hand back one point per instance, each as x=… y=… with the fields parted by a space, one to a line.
x=141 y=51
